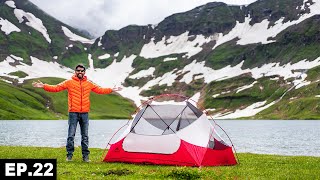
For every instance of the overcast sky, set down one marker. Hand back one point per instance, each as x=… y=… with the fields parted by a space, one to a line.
x=97 y=16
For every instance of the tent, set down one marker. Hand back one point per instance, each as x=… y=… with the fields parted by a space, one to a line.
x=171 y=134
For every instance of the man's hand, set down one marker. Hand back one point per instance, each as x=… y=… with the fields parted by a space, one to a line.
x=38 y=84
x=117 y=89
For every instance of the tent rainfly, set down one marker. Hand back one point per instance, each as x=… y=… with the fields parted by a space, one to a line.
x=170 y=134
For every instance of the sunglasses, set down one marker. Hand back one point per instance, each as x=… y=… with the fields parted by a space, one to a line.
x=78 y=70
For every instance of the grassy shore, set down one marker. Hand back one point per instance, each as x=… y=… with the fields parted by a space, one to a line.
x=22 y=101
x=252 y=166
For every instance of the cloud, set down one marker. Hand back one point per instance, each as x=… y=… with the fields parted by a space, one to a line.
x=97 y=16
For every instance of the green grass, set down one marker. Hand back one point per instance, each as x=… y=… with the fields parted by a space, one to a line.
x=252 y=166
x=72 y=59
x=25 y=45
x=313 y=74
x=176 y=88
x=140 y=63
x=101 y=63
x=26 y=102
x=19 y=103
x=19 y=74
x=296 y=104
x=264 y=89
x=226 y=54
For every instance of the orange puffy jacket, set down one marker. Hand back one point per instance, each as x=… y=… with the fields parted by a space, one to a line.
x=78 y=92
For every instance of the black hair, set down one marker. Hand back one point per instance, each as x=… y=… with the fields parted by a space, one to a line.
x=80 y=66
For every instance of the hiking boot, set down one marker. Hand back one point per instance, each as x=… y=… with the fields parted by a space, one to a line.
x=69 y=158
x=86 y=159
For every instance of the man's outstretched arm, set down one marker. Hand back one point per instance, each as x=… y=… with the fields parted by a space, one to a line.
x=99 y=90
x=51 y=88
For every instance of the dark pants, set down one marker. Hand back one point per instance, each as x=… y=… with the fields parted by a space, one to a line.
x=83 y=120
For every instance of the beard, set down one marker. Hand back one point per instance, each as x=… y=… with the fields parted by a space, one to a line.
x=80 y=76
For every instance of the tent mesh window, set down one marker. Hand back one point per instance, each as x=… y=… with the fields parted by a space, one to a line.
x=164 y=119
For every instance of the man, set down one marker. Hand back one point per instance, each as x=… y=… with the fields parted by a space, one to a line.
x=79 y=89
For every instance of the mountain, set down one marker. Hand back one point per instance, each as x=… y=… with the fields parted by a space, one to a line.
x=34 y=45
x=256 y=61
x=28 y=31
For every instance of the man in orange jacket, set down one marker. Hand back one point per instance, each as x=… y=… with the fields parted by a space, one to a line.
x=79 y=89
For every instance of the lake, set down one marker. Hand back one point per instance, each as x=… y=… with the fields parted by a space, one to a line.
x=282 y=137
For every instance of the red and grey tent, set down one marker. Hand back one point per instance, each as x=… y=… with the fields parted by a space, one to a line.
x=171 y=134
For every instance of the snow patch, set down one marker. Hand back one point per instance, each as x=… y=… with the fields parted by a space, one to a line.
x=153 y=26
x=33 y=22
x=175 y=45
x=260 y=32
x=271 y=69
x=274 y=79
x=5 y=81
x=7 y=27
x=195 y=98
x=133 y=94
x=74 y=37
x=215 y=95
x=303 y=6
x=168 y=79
x=91 y=68
x=170 y=59
x=105 y=56
x=38 y=69
x=225 y=92
x=143 y=73
x=16 y=57
x=207 y=110
x=247 y=112
x=196 y=68
x=10 y=59
x=245 y=87
x=99 y=43
x=10 y=4
x=303 y=83
x=114 y=74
